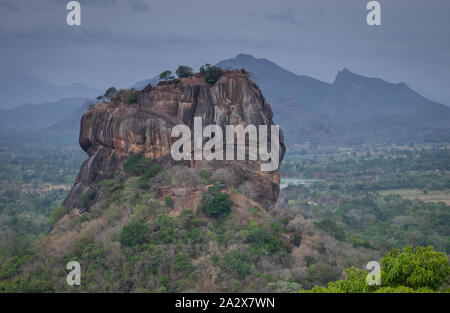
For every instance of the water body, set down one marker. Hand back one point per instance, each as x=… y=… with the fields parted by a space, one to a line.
x=284 y=182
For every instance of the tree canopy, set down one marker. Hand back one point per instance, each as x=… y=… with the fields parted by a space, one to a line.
x=422 y=270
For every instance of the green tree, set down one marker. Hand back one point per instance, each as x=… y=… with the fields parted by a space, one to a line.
x=422 y=270
x=133 y=234
x=215 y=204
x=184 y=71
x=212 y=73
x=110 y=92
x=166 y=76
x=57 y=214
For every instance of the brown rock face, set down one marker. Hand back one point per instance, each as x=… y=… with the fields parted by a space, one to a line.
x=110 y=133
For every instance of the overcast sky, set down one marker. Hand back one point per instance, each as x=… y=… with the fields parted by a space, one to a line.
x=121 y=42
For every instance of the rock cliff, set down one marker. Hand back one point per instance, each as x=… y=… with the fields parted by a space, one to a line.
x=111 y=132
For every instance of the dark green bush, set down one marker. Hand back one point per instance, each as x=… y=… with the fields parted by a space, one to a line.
x=164 y=229
x=238 y=261
x=57 y=214
x=166 y=76
x=110 y=92
x=331 y=227
x=143 y=167
x=261 y=241
x=212 y=73
x=169 y=202
x=182 y=263
x=129 y=96
x=133 y=97
x=136 y=164
x=184 y=71
x=86 y=198
x=133 y=234
x=296 y=240
x=215 y=204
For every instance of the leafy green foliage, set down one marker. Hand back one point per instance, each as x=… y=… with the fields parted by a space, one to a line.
x=261 y=240
x=212 y=73
x=215 y=204
x=166 y=76
x=331 y=227
x=57 y=214
x=182 y=263
x=133 y=234
x=238 y=261
x=86 y=198
x=133 y=97
x=141 y=166
x=136 y=164
x=12 y=266
x=296 y=240
x=424 y=270
x=169 y=202
x=110 y=92
x=130 y=96
x=184 y=71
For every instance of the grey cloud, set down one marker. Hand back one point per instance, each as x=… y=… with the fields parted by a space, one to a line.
x=288 y=15
x=100 y=3
x=9 y=5
x=139 y=5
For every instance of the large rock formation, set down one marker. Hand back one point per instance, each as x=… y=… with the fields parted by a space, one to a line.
x=111 y=132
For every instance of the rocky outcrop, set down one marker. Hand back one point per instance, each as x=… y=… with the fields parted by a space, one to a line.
x=111 y=132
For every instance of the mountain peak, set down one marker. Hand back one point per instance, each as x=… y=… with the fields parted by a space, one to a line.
x=243 y=56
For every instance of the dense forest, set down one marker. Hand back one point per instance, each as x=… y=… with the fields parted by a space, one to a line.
x=340 y=208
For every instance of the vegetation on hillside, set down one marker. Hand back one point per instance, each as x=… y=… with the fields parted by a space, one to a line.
x=421 y=271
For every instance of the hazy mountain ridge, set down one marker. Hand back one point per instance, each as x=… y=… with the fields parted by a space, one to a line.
x=353 y=109
x=39 y=116
x=17 y=90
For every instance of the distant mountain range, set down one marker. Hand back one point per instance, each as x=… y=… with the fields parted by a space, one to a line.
x=17 y=90
x=71 y=122
x=39 y=116
x=352 y=110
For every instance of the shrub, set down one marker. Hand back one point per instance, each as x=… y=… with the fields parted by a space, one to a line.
x=136 y=164
x=296 y=240
x=239 y=262
x=110 y=92
x=133 y=97
x=259 y=240
x=169 y=202
x=184 y=71
x=422 y=268
x=129 y=96
x=86 y=197
x=12 y=266
x=166 y=76
x=164 y=229
x=215 y=204
x=133 y=234
x=206 y=175
x=182 y=263
x=143 y=167
x=57 y=214
x=212 y=73
x=331 y=227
